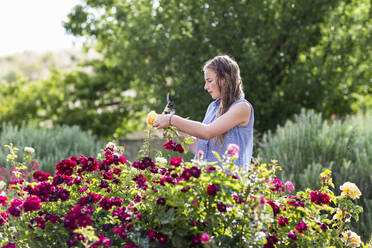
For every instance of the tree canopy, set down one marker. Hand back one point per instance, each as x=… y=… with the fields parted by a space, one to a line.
x=292 y=55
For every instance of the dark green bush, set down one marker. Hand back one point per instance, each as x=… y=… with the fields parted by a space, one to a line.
x=306 y=146
x=51 y=144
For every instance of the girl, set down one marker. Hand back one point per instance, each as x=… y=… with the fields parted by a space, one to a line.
x=228 y=120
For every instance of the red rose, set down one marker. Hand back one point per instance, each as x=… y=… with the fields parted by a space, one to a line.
x=41 y=176
x=301 y=227
x=282 y=221
x=213 y=189
x=162 y=238
x=221 y=207
x=84 y=221
x=151 y=234
x=32 y=204
x=176 y=161
x=161 y=201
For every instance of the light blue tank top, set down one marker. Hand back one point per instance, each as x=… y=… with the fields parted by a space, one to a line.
x=239 y=135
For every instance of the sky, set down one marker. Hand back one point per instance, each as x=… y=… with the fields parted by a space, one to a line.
x=35 y=25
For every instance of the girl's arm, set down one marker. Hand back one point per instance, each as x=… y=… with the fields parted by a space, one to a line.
x=239 y=114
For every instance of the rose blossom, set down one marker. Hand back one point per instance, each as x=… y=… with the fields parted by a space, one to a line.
x=292 y=235
x=3 y=200
x=186 y=174
x=200 y=154
x=106 y=242
x=282 y=221
x=84 y=221
x=195 y=172
x=161 y=201
x=170 y=145
x=176 y=161
x=151 y=117
x=289 y=186
x=63 y=194
x=65 y=167
x=351 y=238
x=41 y=176
x=40 y=222
x=15 y=208
x=121 y=232
x=205 y=238
x=213 y=189
x=301 y=227
x=151 y=234
x=319 y=198
x=32 y=204
x=29 y=149
x=233 y=150
x=271 y=240
x=262 y=200
x=106 y=203
x=162 y=238
x=351 y=190
x=277 y=183
x=221 y=207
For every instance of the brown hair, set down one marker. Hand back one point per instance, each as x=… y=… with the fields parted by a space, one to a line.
x=228 y=81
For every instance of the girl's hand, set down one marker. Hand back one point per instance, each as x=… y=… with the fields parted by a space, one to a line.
x=162 y=121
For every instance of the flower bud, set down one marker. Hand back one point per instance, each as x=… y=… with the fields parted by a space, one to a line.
x=29 y=149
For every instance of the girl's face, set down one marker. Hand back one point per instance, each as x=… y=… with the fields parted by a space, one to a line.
x=211 y=83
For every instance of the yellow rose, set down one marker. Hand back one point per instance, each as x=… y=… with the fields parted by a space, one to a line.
x=151 y=117
x=338 y=215
x=351 y=238
x=350 y=189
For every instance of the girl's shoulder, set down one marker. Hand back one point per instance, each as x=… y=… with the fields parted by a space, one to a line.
x=242 y=103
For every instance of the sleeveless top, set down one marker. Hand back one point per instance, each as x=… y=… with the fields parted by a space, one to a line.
x=239 y=135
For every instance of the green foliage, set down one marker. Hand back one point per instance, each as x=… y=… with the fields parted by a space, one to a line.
x=37 y=100
x=292 y=54
x=50 y=144
x=110 y=202
x=309 y=144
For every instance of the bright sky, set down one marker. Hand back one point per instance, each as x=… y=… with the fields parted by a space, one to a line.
x=34 y=25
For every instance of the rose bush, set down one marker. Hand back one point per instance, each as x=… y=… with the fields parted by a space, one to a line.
x=163 y=201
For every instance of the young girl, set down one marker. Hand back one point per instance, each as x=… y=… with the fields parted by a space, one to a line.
x=228 y=120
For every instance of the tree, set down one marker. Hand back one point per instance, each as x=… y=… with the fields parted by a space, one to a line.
x=289 y=56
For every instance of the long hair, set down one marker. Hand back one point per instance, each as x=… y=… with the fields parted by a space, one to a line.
x=228 y=82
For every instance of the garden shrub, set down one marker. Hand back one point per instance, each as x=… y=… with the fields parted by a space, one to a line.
x=163 y=201
x=50 y=144
x=308 y=145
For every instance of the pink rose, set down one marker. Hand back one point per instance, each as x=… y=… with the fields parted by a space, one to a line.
x=200 y=154
x=233 y=150
x=205 y=238
x=289 y=186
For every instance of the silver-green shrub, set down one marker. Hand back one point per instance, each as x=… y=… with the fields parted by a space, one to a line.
x=51 y=144
x=308 y=145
